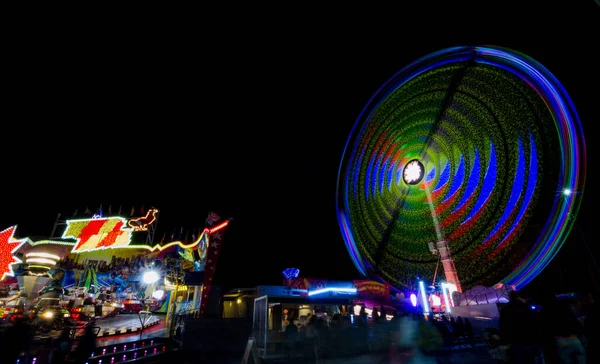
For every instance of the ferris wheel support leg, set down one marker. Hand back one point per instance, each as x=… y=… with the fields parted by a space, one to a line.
x=448 y=263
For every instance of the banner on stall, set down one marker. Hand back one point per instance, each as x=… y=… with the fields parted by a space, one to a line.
x=368 y=288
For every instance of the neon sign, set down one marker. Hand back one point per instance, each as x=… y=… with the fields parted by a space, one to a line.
x=142 y=223
x=94 y=234
x=6 y=251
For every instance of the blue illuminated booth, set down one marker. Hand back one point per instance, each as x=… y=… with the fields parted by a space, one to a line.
x=275 y=307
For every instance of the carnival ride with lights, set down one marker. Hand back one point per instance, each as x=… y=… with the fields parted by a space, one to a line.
x=97 y=269
x=474 y=154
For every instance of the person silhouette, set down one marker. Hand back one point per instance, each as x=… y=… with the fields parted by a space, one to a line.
x=519 y=328
x=291 y=334
x=87 y=344
x=562 y=330
x=62 y=347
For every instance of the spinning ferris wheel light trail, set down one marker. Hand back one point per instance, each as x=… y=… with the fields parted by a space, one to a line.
x=467 y=146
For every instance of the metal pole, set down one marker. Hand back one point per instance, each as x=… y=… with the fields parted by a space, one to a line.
x=55 y=225
x=436 y=268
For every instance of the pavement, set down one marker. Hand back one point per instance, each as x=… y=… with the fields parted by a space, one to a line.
x=463 y=355
x=458 y=352
x=477 y=355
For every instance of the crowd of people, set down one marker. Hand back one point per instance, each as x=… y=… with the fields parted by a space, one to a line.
x=17 y=342
x=132 y=265
x=559 y=332
x=322 y=337
x=551 y=331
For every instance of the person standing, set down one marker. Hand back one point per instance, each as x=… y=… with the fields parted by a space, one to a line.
x=87 y=344
x=291 y=335
x=591 y=326
x=562 y=330
x=519 y=329
x=62 y=347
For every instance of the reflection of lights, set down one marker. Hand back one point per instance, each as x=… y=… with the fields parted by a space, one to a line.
x=239 y=300
x=436 y=301
x=158 y=294
x=150 y=277
x=413 y=299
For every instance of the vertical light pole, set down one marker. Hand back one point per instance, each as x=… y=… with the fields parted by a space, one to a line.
x=150 y=278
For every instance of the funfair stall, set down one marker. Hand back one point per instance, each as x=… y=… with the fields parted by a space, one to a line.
x=104 y=265
x=338 y=304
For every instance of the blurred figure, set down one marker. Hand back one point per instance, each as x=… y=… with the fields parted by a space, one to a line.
x=429 y=338
x=383 y=314
x=561 y=330
x=395 y=328
x=469 y=332
x=519 y=329
x=591 y=325
x=44 y=355
x=62 y=347
x=375 y=316
x=87 y=344
x=16 y=340
x=310 y=337
x=291 y=334
x=363 y=316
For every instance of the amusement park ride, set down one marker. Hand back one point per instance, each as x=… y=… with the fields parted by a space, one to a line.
x=98 y=269
x=463 y=153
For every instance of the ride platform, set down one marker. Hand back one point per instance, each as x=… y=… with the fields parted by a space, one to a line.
x=109 y=326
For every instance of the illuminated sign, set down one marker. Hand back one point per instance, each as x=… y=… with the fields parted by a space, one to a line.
x=94 y=234
x=142 y=223
x=372 y=288
x=8 y=245
x=90 y=235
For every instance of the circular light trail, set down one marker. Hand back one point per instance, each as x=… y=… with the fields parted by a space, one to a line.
x=497 y=140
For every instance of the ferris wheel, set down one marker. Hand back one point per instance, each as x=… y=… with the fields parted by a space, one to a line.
x=479 y=148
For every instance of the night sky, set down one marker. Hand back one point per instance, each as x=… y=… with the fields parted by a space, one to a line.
x=247 y=118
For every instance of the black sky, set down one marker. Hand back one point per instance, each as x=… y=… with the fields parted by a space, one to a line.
x=246 y=116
